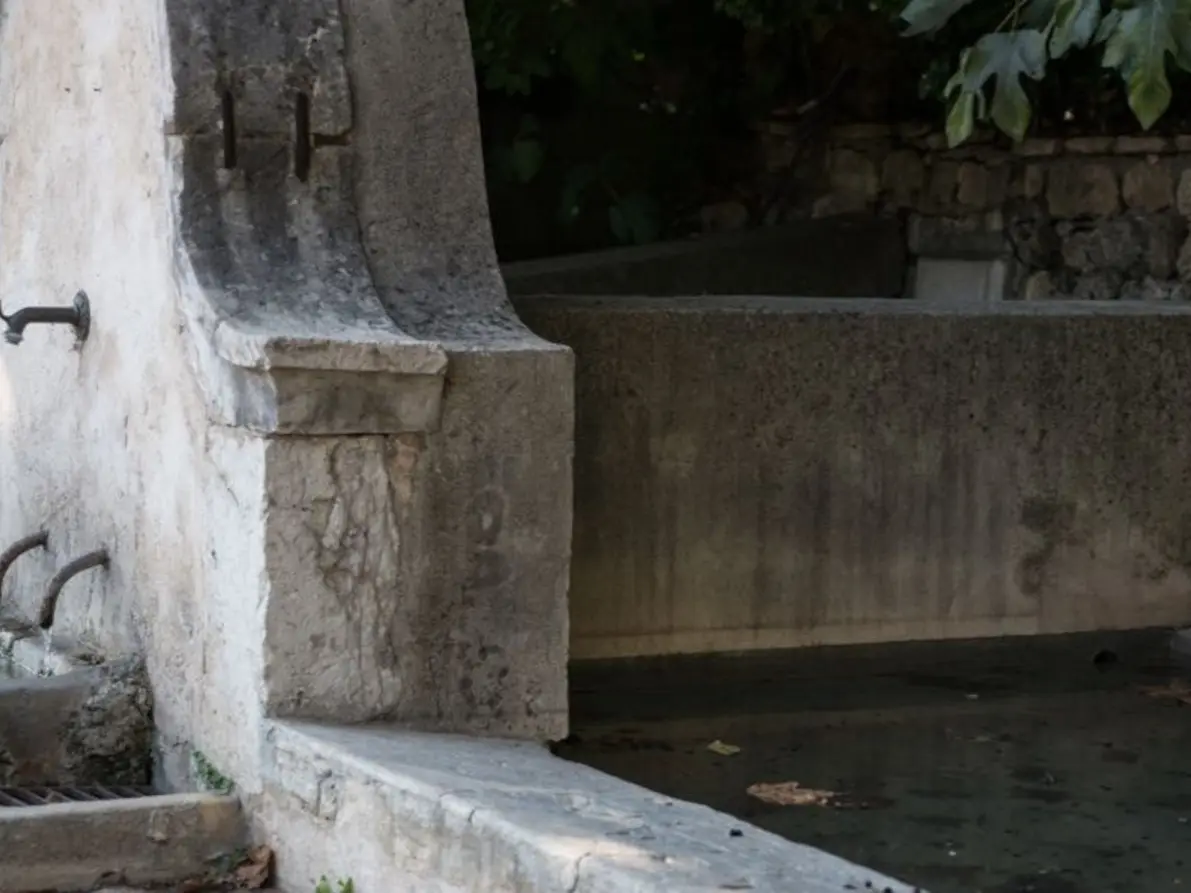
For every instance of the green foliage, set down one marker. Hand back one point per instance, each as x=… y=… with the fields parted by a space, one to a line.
x=1139 y=39
x=341 y=886
x=208 y=777
x=614 y=121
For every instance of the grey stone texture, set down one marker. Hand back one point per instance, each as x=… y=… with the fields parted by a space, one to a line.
x=90 y=726
x=852 y=471
x=1112 y=211
x=424 y=812
x=330 y=465
x=144 y=842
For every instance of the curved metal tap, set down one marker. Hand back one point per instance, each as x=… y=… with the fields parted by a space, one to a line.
x=78 y=316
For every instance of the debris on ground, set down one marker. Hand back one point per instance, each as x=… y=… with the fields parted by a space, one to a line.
x=1176 y=690
x=724 y=750
x=791 y=793
x=250 y=870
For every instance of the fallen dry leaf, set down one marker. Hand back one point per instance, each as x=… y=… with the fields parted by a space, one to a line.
x=724 y=750
x=791 y=793
x=253 y=873
x=1175 y=690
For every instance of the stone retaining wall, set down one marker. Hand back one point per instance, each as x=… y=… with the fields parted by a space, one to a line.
x=756 y=473
x=1096 y=218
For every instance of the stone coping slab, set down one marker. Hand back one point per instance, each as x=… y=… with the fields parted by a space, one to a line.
x=151 y=840
x=453 y=814
x=855 y=306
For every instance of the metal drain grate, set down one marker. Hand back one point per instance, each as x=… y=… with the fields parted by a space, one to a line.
x=44 y=796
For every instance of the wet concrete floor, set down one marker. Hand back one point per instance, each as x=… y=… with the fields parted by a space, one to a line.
x=1045 y=765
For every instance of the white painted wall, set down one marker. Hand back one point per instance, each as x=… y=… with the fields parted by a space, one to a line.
x=110 y=446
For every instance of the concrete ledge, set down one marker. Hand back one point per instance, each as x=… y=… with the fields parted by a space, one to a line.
x=78 y=846
x=530 y=305
x=399 y=810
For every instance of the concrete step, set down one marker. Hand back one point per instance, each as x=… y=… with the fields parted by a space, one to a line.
x=137 y=842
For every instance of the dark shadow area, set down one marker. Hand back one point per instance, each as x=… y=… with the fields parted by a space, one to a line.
x=1048 y=764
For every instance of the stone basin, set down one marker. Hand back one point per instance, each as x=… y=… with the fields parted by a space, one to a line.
x=64 y=722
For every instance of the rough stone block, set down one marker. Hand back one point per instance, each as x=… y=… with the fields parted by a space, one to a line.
x=1165 y=235
x=853 y=178
x=1141 y=145
x=723 y=217
x=1117 y=244
x=1039 y=286
x=1076 y=189
x=942 y=181
x=913 y=131
x=1151 y=289
x=1148 y=187
x=1183 y=262
x=1090 y=145
x=1098 y=287
x=1030 y=184
x=972 y=186
x=861 y=133
x=1183 y=195
x=970 y=236
x=1032 y=148
x=902 y=177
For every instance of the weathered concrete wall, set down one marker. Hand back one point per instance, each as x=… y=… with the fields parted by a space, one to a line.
x=808 y=257
x=765 y=473
x=1091 y=218
x=329 y=464
x=109 y=445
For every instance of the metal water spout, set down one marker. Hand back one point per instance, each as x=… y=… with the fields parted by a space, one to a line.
x=68 y=571
x=77 y=316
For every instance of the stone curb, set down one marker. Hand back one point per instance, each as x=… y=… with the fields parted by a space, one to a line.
x=399 y=810
x=152 y=840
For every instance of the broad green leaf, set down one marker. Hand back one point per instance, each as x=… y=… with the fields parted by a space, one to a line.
x=634 y=220
x=924 y=16
x=578 y=180
x=961 y=119
x=1039 y=13
x=1180 y=28
x=1108 y=25
x=1137 y=42
x=526 y=158
x=1010 y=109
x=582 y=51
x=1149 y=94
x=1075 y=25
x=1005 y=57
